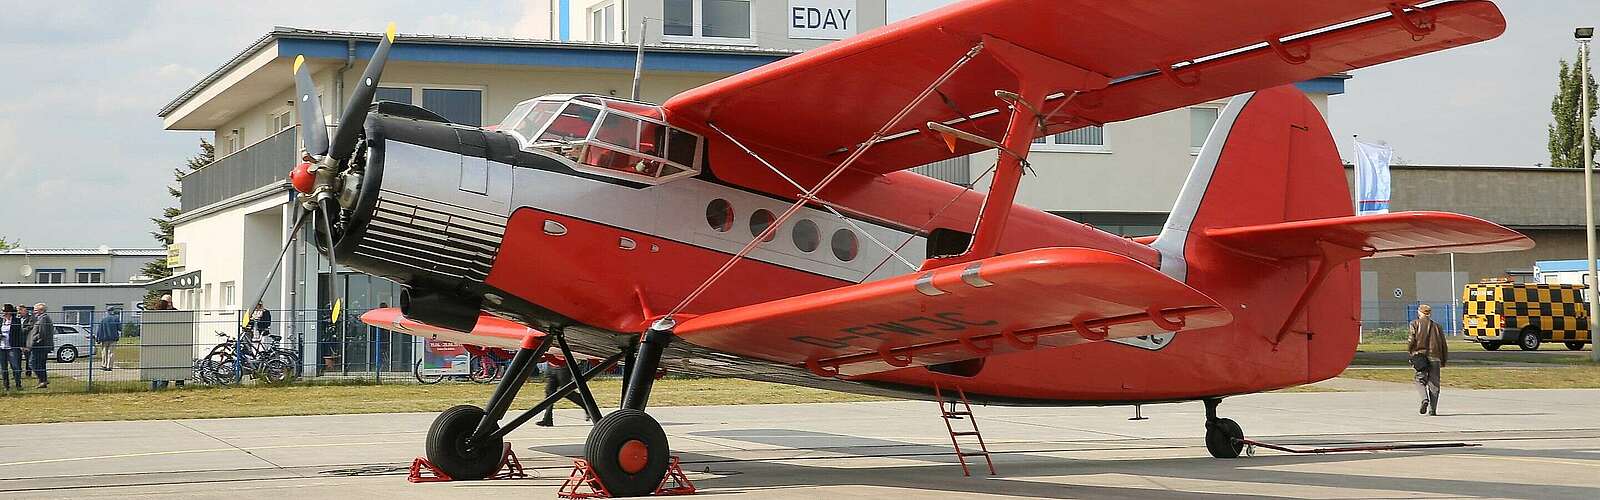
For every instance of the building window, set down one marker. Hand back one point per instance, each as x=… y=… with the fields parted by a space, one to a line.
x=721 y=21
x=401 y=95
x=227 y=297
x=1091 y=139
x=1200 y=122
x=90 y=275
x=282 y=121
x=603 y=23
x=76 y=315
x=206 y=304
x=1129 y=224
x=50 y=276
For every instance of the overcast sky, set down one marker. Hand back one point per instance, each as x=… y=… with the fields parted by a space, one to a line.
x=83 y=159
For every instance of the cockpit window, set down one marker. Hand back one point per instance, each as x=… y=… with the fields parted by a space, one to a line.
x=607 y=136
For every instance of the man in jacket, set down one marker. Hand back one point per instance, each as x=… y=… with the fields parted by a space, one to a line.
x=106 y=335
x=11 y=339
x=1427 y=343
x=41 y=339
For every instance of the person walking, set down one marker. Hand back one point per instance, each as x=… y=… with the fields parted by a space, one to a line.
x=11 y=339
x=106 y=335
x=557 y=376
x=261 y=320
x=1428 y=354
x=41 y=339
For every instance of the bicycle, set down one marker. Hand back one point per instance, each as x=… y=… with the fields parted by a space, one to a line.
x=480 y=369
x=228 y=362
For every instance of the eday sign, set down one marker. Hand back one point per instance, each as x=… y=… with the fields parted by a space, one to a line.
x=822 y=19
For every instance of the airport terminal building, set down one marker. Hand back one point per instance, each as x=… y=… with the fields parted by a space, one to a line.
x=1123 y=177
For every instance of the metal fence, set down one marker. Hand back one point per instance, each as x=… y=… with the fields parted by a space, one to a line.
x=163 y=349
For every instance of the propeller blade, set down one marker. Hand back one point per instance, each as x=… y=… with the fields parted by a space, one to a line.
x=313 y=133
x=327 y=210
x=294 y=234
x=355 y=115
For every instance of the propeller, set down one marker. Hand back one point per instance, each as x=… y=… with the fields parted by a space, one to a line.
x=326 y=168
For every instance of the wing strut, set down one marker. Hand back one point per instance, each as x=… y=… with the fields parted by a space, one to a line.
x=811 y=195
x=1039 y=76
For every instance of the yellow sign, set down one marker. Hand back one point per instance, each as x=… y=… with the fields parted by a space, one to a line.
x=175 y=254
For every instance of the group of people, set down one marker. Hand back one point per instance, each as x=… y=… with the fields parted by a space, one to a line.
x=25 y=334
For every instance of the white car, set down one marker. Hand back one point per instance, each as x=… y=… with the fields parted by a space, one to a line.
x=71 y=341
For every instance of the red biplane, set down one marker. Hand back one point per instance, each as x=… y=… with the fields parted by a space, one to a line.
x=765 y=227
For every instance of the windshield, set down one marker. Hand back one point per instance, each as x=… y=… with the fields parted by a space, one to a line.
x=607 y=136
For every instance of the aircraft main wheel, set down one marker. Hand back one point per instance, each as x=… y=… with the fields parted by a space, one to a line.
x=1530 y=340
x=628 y=451
x=1490 y=346
x=1574 y=346
x=1222 y=438
x=447 y=445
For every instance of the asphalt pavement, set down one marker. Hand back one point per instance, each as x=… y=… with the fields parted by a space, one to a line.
x=1531 y=444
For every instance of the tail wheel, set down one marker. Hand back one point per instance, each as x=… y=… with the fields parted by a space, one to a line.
x=628 y=451
x=1530 y=340
x=1575 y=346
x=448 y=449
x=1223 y=438
x=1490 y=346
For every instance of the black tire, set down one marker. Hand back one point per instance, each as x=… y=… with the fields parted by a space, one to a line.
x=1490 y=346
x=66 y=354
x=614 y=435
x=1574 y=346
x=1530 y=340
x=276 y=371
x=1222 y=438
x=425 y=379
x=224 y=370
x=482 y=370
x=447 y=445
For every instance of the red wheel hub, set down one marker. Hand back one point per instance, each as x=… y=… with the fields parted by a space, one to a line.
x=633 y=456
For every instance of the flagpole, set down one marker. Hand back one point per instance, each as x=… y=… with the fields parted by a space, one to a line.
x=1588 y=188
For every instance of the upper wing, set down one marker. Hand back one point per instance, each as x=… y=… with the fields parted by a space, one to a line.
x=1047 y=296
x=1158 y=55
x=1384 y=235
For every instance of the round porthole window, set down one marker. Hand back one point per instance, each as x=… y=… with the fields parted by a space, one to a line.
x=806 y=235
x=760 y=220
x=719 y=215
x=844 y=245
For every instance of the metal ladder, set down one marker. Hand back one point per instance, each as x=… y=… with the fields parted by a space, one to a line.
x=951 y=413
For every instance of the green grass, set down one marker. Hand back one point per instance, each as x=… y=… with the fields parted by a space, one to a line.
x=1472 y=377
x=130 y=403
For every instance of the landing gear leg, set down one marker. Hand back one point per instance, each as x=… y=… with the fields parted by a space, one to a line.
x=461 y=440
x=1224 y=437
x=628 y=448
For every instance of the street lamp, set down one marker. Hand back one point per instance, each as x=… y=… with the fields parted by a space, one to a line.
x=1583 y=35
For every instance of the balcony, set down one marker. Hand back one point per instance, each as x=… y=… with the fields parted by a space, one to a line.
x=260 y=164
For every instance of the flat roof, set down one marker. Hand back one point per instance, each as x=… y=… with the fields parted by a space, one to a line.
x=287 y=42
x=135 y=252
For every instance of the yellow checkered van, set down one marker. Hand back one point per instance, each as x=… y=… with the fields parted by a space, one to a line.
x=1525 y=314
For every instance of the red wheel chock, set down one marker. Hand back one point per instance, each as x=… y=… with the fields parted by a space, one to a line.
x=423 y=471
x=583 y=483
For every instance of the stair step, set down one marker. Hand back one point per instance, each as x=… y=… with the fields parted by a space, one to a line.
x=964 y=433
x=974 y=453
x=954 y=413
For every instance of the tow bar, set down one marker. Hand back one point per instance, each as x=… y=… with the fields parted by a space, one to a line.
x=1251 y=444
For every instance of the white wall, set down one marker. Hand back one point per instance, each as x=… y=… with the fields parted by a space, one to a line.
x=234 y=245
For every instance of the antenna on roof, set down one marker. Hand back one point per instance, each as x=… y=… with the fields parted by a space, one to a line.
x=638 y=58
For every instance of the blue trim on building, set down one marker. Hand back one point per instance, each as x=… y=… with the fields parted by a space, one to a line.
x=532 y=56
x=1330 y=85
x=1554 y=266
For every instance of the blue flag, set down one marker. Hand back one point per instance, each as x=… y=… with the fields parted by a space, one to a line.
x=1372 y=178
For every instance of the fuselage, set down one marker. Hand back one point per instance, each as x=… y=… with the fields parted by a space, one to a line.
x=548 y=242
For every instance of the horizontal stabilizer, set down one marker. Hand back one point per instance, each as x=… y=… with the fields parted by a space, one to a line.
x=1383 y=235
x=1042 y=297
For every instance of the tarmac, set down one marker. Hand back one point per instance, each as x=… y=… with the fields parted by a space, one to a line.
x=1530 y=444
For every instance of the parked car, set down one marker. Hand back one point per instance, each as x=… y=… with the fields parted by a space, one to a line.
x=71 y=340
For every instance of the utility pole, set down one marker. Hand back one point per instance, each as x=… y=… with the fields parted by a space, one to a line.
x=1583 y=35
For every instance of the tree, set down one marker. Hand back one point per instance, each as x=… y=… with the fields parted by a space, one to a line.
x=1566 y=134
x=157 y=269
x=6 y=244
